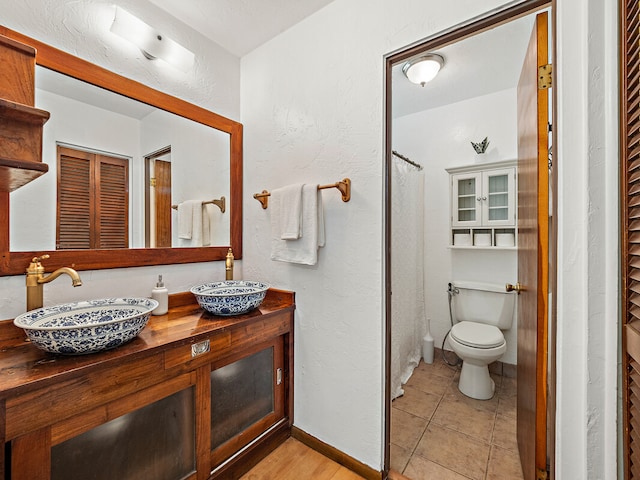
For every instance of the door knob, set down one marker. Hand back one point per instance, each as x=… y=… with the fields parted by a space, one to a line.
x=515 y=288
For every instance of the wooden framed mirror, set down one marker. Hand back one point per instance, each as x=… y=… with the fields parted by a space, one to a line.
x=14 y=262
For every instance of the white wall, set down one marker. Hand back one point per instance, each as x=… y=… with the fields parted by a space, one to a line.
x=440 y=138
x=588 y=236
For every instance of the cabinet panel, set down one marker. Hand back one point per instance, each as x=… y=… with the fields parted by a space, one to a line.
x=241 y=394
x=246 y=398
x=156 y=441
x=466 y=191
x=498 y=198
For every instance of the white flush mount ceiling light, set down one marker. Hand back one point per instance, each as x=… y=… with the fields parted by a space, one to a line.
x=152 y=43
x=423 y=69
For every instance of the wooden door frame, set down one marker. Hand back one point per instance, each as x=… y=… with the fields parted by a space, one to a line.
x=149 y=157
x=456 y=33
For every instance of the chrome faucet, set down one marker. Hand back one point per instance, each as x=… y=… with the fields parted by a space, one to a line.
x=36 y=279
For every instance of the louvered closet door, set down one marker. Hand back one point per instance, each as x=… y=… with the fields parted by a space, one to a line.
x=630 y=188
x=113 y=205
x=75 y=200
x=93 y=201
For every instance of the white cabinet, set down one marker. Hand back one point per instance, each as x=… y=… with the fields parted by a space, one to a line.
x=483 y=204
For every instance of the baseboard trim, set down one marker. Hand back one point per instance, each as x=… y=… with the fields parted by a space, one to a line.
x=336 y=455
x=394 y=475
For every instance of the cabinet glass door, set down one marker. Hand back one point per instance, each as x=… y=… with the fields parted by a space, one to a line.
x=498 y=198
x=156 y=442
x=466 y=193
x=246 y=398
x=241 y=394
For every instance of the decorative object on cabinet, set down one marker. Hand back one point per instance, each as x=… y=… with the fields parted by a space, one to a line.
x=483 y=205
x=231 y=297
x=20 y=122
x=86 y=327
x=344 y=186
x=481 y=147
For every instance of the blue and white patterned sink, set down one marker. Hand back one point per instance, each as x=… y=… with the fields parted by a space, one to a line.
x=88 y=326
x=231 y=297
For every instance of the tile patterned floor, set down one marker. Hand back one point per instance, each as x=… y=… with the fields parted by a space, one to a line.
x=438 y=433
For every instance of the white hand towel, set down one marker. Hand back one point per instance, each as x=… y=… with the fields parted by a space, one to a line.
x=321 y=235
x=185 y=218
x=206 y=226
x=303 y=250
x=290 y=212
x=196 y=226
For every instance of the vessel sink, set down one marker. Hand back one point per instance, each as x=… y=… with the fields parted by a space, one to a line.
x=88 y=326
x=231 y=297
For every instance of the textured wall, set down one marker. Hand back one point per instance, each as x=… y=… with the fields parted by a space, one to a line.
x=82 y=28
x=586 y=157
x=312 y=110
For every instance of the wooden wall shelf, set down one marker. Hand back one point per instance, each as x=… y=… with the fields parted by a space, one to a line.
x=21 y=124
x=15 y=173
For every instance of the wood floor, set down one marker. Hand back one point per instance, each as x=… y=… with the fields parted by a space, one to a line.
x=295 y=461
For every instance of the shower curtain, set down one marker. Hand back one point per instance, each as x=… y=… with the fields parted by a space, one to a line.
x=408 y=322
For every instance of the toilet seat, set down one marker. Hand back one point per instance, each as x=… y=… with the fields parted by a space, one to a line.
x=477 y=335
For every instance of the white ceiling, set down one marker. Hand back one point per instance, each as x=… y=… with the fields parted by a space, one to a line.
x=482 y=64
x=485 y=63
x=72 y=88
x=240 y=26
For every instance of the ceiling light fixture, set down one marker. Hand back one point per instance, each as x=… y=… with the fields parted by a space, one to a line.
x=152 y=43
x=423 y=69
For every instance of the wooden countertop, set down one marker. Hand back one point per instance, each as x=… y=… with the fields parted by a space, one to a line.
x=24 y=367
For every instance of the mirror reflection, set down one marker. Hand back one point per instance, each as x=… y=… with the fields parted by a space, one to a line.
x=116 y=169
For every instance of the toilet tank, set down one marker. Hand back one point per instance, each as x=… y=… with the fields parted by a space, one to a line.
x=484 y=303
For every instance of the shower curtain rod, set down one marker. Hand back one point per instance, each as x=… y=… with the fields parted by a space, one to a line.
x=399 y=155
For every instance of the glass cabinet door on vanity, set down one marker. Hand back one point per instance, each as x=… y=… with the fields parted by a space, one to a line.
x=156 y=441
x=247 y=398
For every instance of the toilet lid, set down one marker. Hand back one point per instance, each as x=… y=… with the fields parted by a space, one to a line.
x=477 y=335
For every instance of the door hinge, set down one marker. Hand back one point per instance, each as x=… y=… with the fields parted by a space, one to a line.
x=544 y=76
x=542 y=474
x=152 y=182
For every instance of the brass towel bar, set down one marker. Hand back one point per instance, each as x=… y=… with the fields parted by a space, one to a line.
x=344 y=186
x=221 y=203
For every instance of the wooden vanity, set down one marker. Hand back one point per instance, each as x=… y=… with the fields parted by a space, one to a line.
x=214 y=368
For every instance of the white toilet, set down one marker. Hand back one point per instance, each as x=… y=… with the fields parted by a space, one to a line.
x=482 y=311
